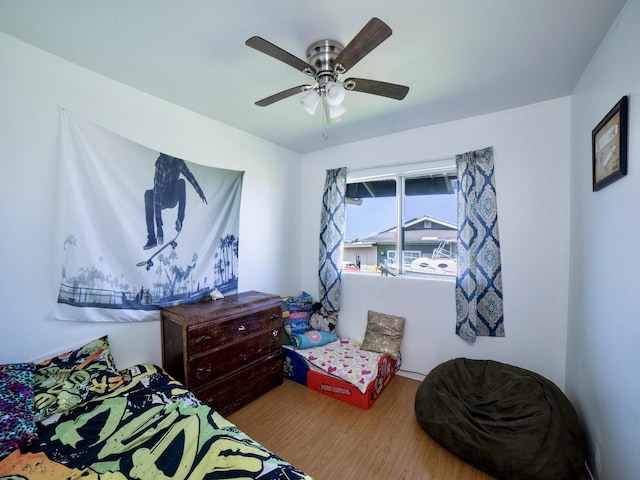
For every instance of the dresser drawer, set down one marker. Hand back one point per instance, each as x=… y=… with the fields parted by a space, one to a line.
x=225 y=360
x=230 y=393
x=209 y=336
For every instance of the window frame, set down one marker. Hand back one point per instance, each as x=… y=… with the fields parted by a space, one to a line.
x=399 y=173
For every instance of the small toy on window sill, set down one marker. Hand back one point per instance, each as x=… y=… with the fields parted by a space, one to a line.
x=385 y=271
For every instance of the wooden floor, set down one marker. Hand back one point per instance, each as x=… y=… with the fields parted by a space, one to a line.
x=329 y=439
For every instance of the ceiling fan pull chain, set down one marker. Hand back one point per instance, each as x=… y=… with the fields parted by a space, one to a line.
x=325 y=137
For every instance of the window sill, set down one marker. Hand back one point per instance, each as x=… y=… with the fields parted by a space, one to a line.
x=417 y=278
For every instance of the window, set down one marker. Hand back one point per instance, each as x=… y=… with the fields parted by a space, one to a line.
x=403 y=223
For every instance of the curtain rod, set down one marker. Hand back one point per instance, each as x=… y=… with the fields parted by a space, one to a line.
x=398 y=164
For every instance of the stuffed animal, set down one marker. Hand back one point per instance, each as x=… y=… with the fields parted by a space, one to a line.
x=322 y=319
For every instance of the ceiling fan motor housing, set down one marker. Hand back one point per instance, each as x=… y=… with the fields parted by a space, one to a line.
x=322 y=55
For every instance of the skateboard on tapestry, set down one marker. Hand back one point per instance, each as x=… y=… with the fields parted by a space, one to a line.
x=149 y=261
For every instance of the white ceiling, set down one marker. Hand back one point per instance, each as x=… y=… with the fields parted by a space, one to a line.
x=461 y=58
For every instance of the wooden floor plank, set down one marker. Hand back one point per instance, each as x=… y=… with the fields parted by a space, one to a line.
x=329 y=439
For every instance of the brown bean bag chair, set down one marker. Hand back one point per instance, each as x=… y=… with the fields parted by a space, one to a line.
x=509 y=422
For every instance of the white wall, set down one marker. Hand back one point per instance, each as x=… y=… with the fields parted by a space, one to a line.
x=603 y=351
x=531 y=148
x=33 y=85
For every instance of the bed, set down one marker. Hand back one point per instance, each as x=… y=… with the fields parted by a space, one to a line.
x=76 y=416
x=341 y=370
x=348 y=370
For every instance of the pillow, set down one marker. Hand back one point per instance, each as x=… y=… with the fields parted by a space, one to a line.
x=384 y=334
x=312 y=338
x=17 y=426
x=74 y=378
x=323 y=319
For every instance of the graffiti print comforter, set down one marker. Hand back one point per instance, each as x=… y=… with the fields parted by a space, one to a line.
x=149 y=428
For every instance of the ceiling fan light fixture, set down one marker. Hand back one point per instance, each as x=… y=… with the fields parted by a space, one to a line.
x=311 y=101
x=335 y=112
x=335 y=93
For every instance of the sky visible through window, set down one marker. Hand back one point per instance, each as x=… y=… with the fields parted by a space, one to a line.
x=378 y=214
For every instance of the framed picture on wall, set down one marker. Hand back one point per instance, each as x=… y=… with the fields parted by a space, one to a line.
x=609 y=146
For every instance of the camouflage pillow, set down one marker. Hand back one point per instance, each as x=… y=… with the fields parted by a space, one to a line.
x=74 y=378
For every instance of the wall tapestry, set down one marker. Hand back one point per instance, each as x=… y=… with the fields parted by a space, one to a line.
x=142 y=229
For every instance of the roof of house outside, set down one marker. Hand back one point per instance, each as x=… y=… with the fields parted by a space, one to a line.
x=438 y=231
x=359 y=244
x=429 y=236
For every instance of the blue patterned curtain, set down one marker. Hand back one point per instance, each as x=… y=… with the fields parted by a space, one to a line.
x=332 y=227
x=479 y=280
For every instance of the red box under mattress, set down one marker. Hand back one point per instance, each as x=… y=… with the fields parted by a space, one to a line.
x=342 y=390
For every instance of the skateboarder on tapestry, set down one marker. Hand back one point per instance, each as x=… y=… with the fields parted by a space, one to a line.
x=168 y=191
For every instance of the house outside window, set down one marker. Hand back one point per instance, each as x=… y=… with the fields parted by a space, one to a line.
x=403 y=222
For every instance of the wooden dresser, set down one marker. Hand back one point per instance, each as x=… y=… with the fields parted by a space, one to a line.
x=229 y=351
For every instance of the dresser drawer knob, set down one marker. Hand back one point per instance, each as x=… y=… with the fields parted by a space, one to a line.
x=241 y=328
x=203 y=339
x=274 y=316
x=204 y=370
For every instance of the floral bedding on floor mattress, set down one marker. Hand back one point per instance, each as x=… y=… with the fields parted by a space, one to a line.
x=344 y=359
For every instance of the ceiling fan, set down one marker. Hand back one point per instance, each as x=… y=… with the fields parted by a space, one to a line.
x=326 y=61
